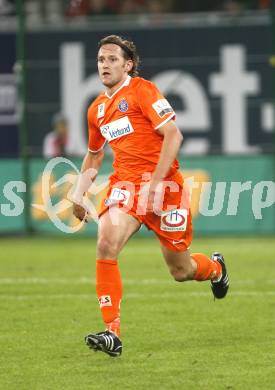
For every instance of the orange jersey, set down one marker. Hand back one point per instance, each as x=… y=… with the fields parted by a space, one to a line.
x=129 y=120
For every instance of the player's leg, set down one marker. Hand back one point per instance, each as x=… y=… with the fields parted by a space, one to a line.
x=111 y=236
x=175 y=235
x=180 y=264
x=197 y=266
x=111 y=240
x=174 y=231
x=185 y=266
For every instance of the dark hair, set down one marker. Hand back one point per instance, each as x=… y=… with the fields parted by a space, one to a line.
x=128 y=48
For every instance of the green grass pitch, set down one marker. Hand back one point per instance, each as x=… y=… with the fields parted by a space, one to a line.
x=175 y=336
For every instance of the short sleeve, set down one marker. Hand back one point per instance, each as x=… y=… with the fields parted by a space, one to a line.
x=153 y=104
x=96 y=140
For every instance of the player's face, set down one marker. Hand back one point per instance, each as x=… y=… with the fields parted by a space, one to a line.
x=113 y=68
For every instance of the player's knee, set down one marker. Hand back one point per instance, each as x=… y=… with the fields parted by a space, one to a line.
x=106 y=248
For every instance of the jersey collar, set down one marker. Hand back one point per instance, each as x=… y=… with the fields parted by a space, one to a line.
x=126 y=82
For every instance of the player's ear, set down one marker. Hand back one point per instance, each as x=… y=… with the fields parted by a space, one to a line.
x=129 y=65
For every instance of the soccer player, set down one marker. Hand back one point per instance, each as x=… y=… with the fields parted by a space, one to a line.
x=146 y=186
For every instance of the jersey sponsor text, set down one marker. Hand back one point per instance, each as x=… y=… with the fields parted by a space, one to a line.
x=117 y=129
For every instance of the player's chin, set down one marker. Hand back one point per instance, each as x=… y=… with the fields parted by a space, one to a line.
x=106 y=80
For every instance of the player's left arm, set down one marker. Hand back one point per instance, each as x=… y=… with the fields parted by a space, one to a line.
x=172 y=139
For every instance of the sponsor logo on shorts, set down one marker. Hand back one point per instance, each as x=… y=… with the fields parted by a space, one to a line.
x=174 y=220
x=105 y=300
x=117 y=129
x=162 y=107
x=117 y=196
x=123 y=105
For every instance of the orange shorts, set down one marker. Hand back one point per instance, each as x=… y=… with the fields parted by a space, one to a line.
x=173 y=222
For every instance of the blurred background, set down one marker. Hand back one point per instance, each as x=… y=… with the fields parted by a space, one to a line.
x=214 y=61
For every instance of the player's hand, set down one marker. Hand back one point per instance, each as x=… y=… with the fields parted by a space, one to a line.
x=154 y=195
x=80 y=212
x=151 y=195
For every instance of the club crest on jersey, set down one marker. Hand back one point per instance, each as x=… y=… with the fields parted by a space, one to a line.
x=123 y=105
x=116 y=129
x=100 y=110
x=174 y=220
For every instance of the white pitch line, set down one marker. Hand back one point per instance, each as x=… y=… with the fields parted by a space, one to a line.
x=86 y=280
x=262 y=294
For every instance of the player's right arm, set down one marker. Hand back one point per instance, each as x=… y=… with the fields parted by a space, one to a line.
x=92 y=160
x=90 y=167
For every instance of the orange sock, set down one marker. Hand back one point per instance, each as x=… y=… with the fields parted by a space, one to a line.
x=109 y=293
x=207 y=268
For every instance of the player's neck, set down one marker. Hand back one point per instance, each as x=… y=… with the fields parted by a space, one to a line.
x=116 y=87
